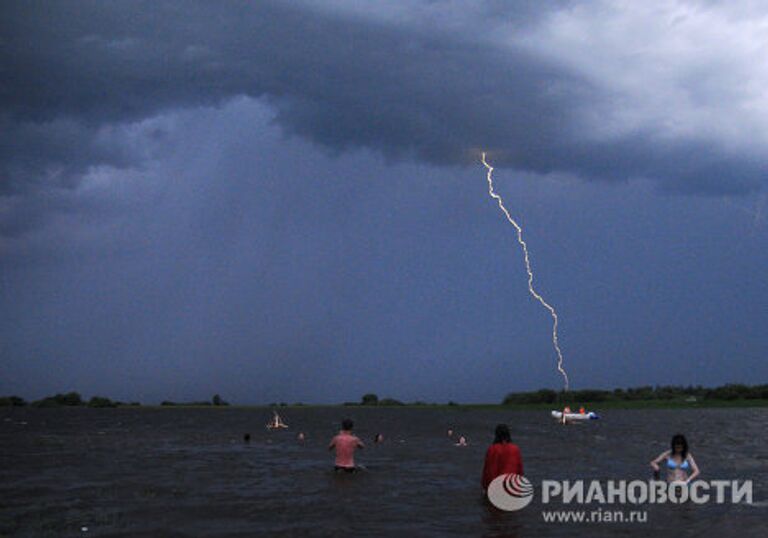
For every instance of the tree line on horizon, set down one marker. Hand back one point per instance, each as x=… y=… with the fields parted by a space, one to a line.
x=74 y=399
x=373 y=399
x=726 y=392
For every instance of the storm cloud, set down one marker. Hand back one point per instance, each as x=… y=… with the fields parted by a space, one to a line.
x=283 y=201
x=433 y=82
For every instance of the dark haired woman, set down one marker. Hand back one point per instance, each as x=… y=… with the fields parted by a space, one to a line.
x=679 y=461
x=502 y=457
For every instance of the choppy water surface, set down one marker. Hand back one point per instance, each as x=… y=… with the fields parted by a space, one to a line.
x=187 y=472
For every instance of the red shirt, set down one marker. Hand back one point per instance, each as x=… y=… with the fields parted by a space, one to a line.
x=501 y=458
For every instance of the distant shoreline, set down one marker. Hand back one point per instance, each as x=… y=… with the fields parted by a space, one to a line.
x=645 y=397
x=590 y=406
x=511 y=407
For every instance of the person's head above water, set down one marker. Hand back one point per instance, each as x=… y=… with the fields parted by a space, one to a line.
x=347 y=424
x=679 y=445
x=502 y=434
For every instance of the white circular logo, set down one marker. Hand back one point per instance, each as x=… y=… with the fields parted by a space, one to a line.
x=510 y=492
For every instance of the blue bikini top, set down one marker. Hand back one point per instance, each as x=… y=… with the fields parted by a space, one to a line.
x=672 y=464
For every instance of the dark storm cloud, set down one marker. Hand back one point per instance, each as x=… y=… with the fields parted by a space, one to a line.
x=56 y=153
x=341 y=80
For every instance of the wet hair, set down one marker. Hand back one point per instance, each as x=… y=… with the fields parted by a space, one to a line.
x=502 y=434
x=347 y=424
x=679 y=439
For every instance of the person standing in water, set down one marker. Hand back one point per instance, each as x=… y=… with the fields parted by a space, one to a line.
x=345 y=444
x=502 y=457
x=679 y=461
x=566 y=411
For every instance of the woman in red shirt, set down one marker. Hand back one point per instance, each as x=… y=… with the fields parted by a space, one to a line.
x=502 y=457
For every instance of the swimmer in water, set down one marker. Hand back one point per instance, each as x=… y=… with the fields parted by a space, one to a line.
x=276 y=423
x=300 y=438
x=462 y=441
x=450 y=432
x=379 y=438
x=502 y=457
x=679 y=461
x=345 y=444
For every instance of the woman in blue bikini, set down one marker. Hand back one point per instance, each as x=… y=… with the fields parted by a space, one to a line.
x=678 y=461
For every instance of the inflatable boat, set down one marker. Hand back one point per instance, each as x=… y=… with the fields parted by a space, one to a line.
x=574 y=417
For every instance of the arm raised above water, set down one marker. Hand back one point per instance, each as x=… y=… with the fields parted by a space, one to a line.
x=655 y=463
x=694 y=468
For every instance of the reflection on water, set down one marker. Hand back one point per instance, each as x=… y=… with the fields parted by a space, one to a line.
x=188 y=472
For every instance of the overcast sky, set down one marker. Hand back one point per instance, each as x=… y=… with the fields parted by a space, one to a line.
x=283 y=201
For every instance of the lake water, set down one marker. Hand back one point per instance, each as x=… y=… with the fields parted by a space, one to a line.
x=187 y=472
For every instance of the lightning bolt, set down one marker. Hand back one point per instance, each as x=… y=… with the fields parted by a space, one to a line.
x=531 y=289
